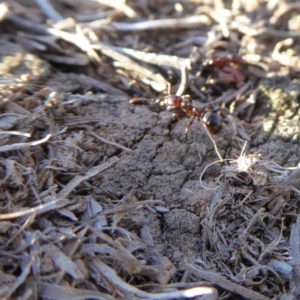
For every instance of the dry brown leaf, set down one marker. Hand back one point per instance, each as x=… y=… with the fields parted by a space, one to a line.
x=64 y=263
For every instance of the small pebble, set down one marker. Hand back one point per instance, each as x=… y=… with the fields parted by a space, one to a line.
x=162 y=209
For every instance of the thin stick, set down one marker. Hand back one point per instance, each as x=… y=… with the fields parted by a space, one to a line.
x=18 y=146
x=180 y=23
x=102 y=139
x=48 y=10
x=120 y=6
x=184 y=80
x=148 y=57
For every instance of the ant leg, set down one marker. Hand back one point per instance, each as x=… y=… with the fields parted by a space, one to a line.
x=187 y=128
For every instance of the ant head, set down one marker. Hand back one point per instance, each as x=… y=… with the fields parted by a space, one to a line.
x=173 y=100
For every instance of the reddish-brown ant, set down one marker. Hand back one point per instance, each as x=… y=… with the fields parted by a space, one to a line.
x=210 y=120
x=183 y=104
x=224 y=61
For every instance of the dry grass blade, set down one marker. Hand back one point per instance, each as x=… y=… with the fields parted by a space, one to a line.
x=48 y=9
x=226 y=284
x=188 y=22
x=64 y=263
x=119 y=6
x=109 y=142
x=19 y=281
x=127 y=290
x=18 y=146
x=58 y=292
x=295 y=254
x=78 y=179
x=52 y=205
x=151 y=58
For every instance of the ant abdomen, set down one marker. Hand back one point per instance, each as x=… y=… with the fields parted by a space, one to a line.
x=212 y=122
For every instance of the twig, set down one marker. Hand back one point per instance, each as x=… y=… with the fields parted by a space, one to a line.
x=92 y=172
x=224 y=283
x=16 y=133
x=21 y=279
x=4 y=10
x=18 y=146
x=55 y=204
x=77 y=39
x=295 y=255
x=156 y=79
x=295 y=176
x=119 y=5
x=247 y=30
x=26 y=25
x=57 y=292
x=180 y=23
x=184 y=81
x=231 y=96
x=148 y=57
x=108 y=142
x=110 y=275
x=48 y=10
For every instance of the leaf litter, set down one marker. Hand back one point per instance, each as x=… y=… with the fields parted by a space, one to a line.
x=100 y=199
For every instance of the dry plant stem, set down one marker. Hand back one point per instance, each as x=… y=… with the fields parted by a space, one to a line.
x=227 y=98
x=119 y=5
x=184 y=81
x=55 y=204
x=108 y=142
x=3 y=11
x=188 y=22
x=107 y=88
x=126 y=289
x=151 y=58
x=18 y=146
x=92 y=172
x=26 y=25
x=295 y=254
x=20 y=280
x=224 y=283
x=58 y=292
x=16 y=133
x=248 y=30
x=48 y=10
x=93 y=17
x=131 y=65
x=279 y=14
x=78 y=40
x=59 y=203
x=295 y=176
